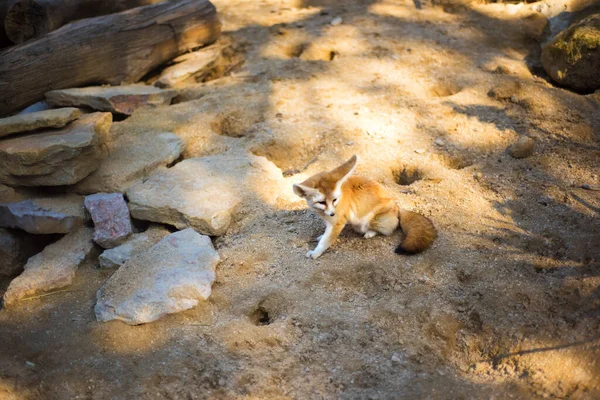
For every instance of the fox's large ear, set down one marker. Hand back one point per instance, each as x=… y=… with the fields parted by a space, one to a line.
x=342 y=172
x=302 y=190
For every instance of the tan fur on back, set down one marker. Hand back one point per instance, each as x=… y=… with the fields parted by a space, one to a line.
x=363 y=195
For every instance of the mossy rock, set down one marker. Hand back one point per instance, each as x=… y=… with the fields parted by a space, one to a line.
x=572 y=58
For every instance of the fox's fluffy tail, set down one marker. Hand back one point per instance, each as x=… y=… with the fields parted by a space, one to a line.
x=419 y=230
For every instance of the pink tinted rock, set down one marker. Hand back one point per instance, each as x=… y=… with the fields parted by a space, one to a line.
x=112 y=224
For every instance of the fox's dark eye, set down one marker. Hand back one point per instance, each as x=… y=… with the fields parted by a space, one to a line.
x=322 y=202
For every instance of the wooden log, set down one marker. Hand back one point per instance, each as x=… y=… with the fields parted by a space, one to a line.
x=113 y=49
x=4 y=6
x=28 y=19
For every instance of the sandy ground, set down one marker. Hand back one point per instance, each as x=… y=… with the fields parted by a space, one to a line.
x=505 y=305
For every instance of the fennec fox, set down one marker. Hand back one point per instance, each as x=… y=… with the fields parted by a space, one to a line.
x=340 y=199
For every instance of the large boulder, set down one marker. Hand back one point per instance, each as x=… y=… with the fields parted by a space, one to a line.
x=172 y=276
x=132 y=158
x=123 y=99
x=52 y=269
x=203 y=192
x=138 y=243
x=44 y=215
x=112 y=224
x=572 y=58
x=37 y=120
x=55 y=157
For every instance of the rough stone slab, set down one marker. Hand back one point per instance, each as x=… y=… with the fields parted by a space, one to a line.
x=112 y=224
x=52 y=269
x=15 y=248
x=118 y=99
x=114 y=258
x=170 y=277
x=56 y=157
x=44 y=215
x=132 y=158
x=37 y=120
x=196 y=63
x=202 y=193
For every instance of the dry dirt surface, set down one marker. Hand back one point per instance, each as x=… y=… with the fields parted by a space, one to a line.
x=429 y=95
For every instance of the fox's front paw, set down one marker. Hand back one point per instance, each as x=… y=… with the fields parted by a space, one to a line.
x=370 y=234
x=313 y=254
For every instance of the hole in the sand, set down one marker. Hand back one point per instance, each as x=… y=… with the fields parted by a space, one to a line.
x=444 y=89
x=454 y=161
x=290 y=157
x=296 y=50
x=312 y=52
x=260 y=317
x=407 y=175
x=235 y=123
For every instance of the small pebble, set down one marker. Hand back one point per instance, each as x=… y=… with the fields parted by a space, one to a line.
x=439 y=141
x=522 y=148
x=336 y=21
x=420 y=151
x=501 y=69
x=545 y=200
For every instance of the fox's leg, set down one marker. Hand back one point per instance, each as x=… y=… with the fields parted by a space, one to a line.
x=331 y=233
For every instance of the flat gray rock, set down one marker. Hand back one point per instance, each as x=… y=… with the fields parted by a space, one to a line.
x=38 y=120
x=131 y=159
x=112 y=224
x=115 y=257
x=118 y=99
x=52 y=269
x=203 y=193
x=55 y=157
x=44 y=215
x=172 y=276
